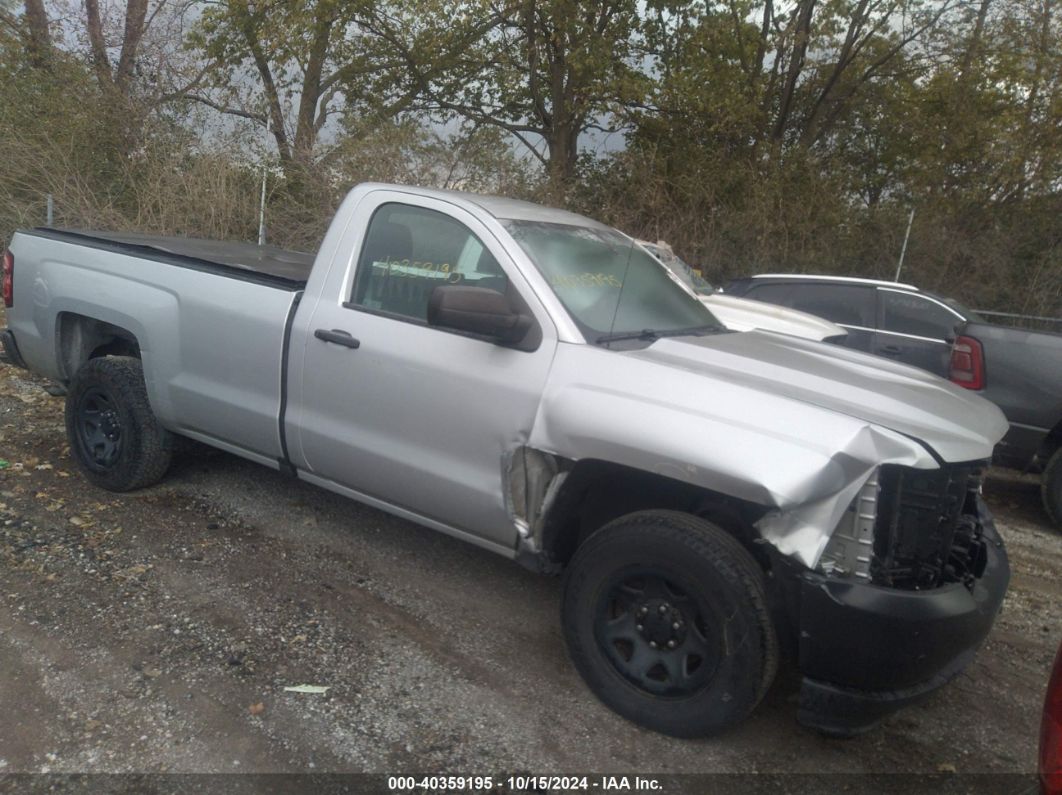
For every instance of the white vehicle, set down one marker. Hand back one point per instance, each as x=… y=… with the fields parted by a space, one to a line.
x=743 y=314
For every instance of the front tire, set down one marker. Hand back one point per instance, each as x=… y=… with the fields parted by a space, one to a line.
x=665 y=617
x=114 y=435
x=1051 y=488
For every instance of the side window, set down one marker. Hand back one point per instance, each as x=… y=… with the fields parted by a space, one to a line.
x=848 y=304
x=908 y=313
x=408 y=251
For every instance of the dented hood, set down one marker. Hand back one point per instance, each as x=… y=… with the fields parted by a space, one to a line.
x=766 y=417
x=794 y=425
x=957 y=424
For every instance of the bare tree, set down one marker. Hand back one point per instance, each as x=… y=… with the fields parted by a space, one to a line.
x=543 y=72
x=301 y=56
x=117 y=77
x=39 y=36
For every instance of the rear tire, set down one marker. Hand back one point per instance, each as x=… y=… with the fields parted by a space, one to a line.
x=665 y=617
x=1051 y=488
x=113 y=433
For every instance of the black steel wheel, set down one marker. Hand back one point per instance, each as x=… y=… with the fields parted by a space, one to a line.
x=99 y=428
x=655 y=635
x=114 y=435
x=665 y=617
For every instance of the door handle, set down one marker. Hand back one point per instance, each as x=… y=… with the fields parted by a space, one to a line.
x=338 y=336
x=890 y=350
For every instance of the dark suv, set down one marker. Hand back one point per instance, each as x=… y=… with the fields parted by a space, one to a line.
x=1017 y=369
x=889 y=319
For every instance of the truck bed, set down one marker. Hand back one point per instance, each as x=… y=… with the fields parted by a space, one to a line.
x=214 y=317
x=1023 y=376
x=265 y=264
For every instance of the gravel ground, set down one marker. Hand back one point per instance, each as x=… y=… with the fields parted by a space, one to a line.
x=155 y=632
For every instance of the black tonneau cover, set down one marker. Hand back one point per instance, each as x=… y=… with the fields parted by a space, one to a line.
x=267 y=264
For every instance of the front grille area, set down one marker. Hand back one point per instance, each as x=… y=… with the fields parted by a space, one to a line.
x=926 y=533
x=850 y=550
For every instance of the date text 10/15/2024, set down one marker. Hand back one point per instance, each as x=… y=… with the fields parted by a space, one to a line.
x=523 y=783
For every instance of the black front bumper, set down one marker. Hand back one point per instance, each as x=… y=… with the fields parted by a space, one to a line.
x=865 y=650
x=9 y=353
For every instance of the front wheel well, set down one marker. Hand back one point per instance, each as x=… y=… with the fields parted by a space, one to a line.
x=596 y=492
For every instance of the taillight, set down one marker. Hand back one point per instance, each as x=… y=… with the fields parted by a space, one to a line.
x=1051 y=733
x=9 y=278
x=967 y=363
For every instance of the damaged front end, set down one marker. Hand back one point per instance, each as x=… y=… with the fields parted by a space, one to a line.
x=905 y=590
x=830 y=466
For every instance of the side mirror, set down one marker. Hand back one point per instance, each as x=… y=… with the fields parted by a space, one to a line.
x=476 y=310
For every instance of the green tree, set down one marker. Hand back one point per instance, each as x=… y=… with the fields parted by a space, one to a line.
x=544 y=72
x=289 y=64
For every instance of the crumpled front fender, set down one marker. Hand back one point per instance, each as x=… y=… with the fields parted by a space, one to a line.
x=802 y=462
x=804 y=531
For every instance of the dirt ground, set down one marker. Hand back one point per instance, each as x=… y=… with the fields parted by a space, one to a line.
x=155 y=631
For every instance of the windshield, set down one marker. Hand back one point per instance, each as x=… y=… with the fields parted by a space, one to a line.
x=678 y=266
x=610 y=286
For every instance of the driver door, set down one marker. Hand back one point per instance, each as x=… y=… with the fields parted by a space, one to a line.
x=413 y=415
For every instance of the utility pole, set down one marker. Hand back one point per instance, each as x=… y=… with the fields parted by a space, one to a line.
x=261 y=204
x=903 y=250
x=261 y=211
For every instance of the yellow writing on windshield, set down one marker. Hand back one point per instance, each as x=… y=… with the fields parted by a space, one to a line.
x=585 y=280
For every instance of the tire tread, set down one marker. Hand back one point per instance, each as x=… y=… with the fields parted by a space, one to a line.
x=153 y=444
x=726 y=555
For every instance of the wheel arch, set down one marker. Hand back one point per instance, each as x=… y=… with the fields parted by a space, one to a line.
x=81 y=338
x=594 y=492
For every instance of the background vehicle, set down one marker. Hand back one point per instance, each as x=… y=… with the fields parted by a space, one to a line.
x=533 y=382
x=739 y=314
x=1017 y=369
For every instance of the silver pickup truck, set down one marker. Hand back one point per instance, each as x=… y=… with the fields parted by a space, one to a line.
x=533 y=382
